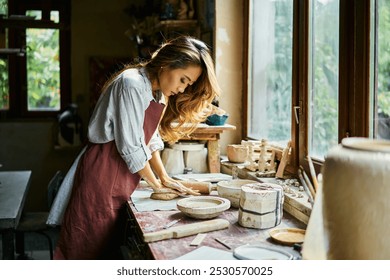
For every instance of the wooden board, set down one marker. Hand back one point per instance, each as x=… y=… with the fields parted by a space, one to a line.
x=186 y=230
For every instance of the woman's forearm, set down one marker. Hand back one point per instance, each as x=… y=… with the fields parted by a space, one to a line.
x=158 y=166
x=147 y=174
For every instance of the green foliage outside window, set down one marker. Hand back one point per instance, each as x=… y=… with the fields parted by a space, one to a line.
x=324 y=110
x=279 y=75
x=384 y=58
x=3 y=64
x=43 y=69
x=4 y=100
x=3 y=7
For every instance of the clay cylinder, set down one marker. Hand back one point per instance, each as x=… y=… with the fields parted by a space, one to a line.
x=261 y=205
x=355 y=205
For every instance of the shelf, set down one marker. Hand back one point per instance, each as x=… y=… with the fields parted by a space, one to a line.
x=179 y=23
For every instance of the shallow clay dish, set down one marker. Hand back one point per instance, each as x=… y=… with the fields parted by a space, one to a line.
x=287 y=236
x=203 y=207
x=232 y=190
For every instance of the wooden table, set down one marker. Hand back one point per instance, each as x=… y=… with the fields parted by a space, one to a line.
x=211 y=134
x=14 y=186
x=234 y=236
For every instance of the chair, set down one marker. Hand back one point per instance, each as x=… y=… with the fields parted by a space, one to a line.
x=36 y=221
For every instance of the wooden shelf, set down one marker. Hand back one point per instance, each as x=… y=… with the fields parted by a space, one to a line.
x=179 y=23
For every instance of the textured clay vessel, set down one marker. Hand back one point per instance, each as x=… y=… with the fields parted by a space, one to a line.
x=355 y=204
x=237 y=153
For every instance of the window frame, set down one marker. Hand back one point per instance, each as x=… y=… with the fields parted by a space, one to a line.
x=18 y=107
x=354 y=76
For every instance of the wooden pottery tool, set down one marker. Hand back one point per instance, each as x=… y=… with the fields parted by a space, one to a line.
x=313 y=173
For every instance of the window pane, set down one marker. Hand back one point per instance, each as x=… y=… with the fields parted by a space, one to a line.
x=34 y=13
x=43 y=69
x=270 y=70
x=55 y=16
x=382 y=110
x=3 y=7
x=323 y=77
x=4 y=85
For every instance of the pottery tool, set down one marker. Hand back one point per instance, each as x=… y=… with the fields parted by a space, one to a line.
x=308 y=183
x=186 y=230
x=313 y=173
x=168 y=225
x=284 y=160
x=303 y=182
x=222 y=243
x=198 y=239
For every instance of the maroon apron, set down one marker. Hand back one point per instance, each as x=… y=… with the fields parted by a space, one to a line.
x=94 y=220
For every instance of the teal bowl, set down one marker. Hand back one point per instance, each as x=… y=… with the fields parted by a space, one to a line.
x=216 y=119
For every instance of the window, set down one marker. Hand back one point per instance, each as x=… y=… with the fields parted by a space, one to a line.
x=323 y=77
x=270 y=70
x=340 y=69
x=36 y=64
x=43 y=67
x=381 y=91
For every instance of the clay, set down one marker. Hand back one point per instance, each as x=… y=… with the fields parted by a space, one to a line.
x=237 y=153
x=163 y=196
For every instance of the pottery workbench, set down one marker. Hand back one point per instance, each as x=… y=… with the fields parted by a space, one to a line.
x=169 y=249
x=211 y=134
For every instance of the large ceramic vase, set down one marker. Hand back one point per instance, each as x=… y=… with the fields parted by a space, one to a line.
x=356 y=200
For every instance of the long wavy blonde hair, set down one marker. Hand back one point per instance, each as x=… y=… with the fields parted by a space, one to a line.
x=185 y=110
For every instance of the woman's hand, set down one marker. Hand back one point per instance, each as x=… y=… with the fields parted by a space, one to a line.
x=178 y=187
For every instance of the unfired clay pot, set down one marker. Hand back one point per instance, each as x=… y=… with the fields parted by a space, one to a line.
x=354 y=212
x=237 y=153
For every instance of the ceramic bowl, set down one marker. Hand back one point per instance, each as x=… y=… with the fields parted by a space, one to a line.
x=215 y=119
x=203 y=207
x=232 y=190
x=237 y=153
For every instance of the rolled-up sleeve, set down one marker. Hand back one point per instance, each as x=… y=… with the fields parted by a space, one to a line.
x=119 y=115
x=128 y=119
x=156 y=143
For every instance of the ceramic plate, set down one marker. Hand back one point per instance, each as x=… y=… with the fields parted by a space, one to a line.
x=287 y=236
x=203 y=207
x=257 y=252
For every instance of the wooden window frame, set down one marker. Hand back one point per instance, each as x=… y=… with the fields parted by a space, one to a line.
x=17 y=64
x=354 y=76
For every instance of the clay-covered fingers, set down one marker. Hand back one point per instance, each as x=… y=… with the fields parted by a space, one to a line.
x=180 y=188
x=164 y=193
x=192 y=191
x=166 y=190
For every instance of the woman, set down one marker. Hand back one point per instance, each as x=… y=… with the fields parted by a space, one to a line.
x=124 y=143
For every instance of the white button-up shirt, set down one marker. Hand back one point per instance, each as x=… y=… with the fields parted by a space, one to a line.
x=119 y=115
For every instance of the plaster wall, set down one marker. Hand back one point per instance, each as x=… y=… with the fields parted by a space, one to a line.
x=229 y=58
